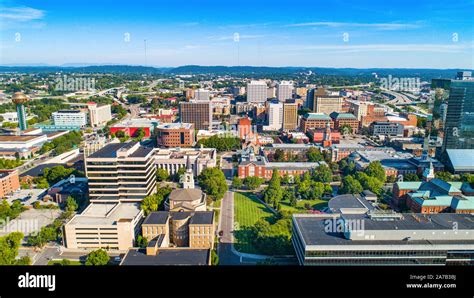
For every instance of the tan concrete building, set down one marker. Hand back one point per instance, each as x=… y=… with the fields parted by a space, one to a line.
x=180 y=229
x=104 y=225
x=290 y=116
x=327 y=104
x=99 y=114
x=121 y=171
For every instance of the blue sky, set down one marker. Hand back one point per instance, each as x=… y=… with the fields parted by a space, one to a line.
x=425 y=34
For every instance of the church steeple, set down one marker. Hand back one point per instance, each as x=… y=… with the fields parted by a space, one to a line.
x=187 y=179
x=429 y=173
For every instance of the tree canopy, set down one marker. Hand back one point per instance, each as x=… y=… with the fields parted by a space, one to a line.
x=213 y=183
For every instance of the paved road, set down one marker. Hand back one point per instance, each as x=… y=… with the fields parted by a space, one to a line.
x=47 y=254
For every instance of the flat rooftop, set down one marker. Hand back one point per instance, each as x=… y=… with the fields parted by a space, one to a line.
x=312 y=228
x=175 y=126
x=110 y=150
x=19 y=139
x=106 y=213
x=167 y=257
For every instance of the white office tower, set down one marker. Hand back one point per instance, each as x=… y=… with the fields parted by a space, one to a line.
x=284 y=90
x=275 y=115
x=202 y=94
x=257 y=91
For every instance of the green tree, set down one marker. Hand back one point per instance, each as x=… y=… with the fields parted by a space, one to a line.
x=371 y=183
x=313 y=154
x=237 y=182
x=9 y=245
x=411 y=177
x=253 y=182
x=322 y=174
x=446 y=176
x=350 y=185
x=213 y=183
x=162 y=175
x=71 y=204
x=65 y=262
x=214 y=258
x=155 y=201
x=97 y=258
x=375 y=169
x=273 y=193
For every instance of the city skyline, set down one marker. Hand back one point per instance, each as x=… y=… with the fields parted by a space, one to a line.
x=313 y=34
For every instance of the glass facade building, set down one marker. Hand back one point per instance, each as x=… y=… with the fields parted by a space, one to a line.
x=459 y=132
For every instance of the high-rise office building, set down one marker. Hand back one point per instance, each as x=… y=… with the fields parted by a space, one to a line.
x=257 y=91
x=202 y=94
x=121 y=172
x=290 y=115
x=197 y=112
x=459 y=126
x=284 y=90
x=327 y=104
x=99 y=114
x=275 y=115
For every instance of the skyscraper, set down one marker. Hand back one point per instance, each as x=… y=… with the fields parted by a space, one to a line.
x=284 y=91
x=275 y=115
x=202 y=94
x=290 y=115
x=257 y=91
x=459 y=131
x=19 y=100
x=197 y=112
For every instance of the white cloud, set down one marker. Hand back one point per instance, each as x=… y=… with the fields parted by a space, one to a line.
x=380 y=26
x=21 y=14
x=231 y=37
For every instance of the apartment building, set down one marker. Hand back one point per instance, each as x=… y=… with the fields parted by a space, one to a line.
x=121 y=171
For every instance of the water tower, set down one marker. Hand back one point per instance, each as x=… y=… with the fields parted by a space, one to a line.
x=19 y=100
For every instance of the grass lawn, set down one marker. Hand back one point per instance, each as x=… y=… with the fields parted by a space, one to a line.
x=316 y=204
x=58 y=263
x=247 y=211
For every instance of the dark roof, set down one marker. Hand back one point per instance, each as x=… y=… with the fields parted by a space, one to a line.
x=195 y=257
x=109 y=150
x=180 y=215
x=202 y=218
x=141 y=151
x=189 y=194
x=157 y=218
x=313 y=228
x=348 y=201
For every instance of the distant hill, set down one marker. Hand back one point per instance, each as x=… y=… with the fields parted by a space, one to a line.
x=237 y=70
x=124 y=69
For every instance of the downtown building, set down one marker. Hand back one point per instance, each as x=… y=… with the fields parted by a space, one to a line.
x=257 y=91
x=367 y=238
x=121 y=172
x=284 y=91
x=198 y=113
